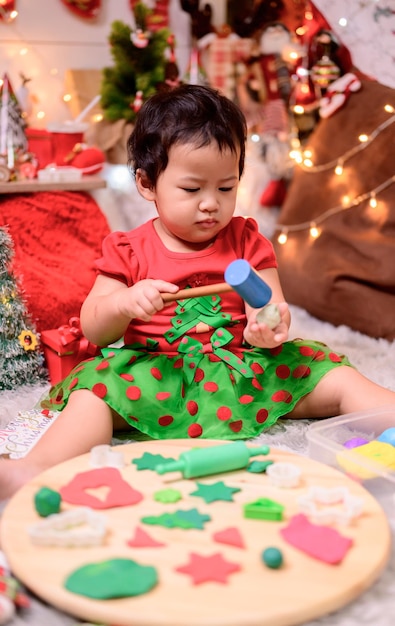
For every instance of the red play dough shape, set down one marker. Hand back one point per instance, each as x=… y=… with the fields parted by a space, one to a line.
x=204 y=569
x=320 y=542
x=230 y=536
x=120 y=492
x=142 y=539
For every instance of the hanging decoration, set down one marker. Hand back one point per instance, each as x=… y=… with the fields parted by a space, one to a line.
x=159 y=13
x=89 y=9
x=8 y=10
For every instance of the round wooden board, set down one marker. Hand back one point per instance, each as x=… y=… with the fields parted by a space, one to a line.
x=302 y=589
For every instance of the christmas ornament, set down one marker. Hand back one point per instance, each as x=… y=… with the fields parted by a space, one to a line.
x=159 y=13
x=8 y=11
x=84 y=8
x=325 y=70
x=28 y=340
x=338 y=94
x=140 y=38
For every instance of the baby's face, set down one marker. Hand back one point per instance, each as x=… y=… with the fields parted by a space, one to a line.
x=195 y=196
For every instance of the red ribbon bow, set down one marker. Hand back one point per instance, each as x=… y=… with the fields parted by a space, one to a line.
x=70 y=332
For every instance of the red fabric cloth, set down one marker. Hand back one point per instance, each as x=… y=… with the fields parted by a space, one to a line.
x=138 y=254
x=57 y=237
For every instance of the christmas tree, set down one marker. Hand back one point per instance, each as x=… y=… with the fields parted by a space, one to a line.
x=12 y=125
x=20 y=360
x=140 y=64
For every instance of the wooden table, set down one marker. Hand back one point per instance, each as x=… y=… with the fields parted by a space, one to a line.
x=86 y=183
x=301 y=590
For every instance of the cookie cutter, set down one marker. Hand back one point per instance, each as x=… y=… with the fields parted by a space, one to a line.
x=70 y=529
x=330 y=505
x=283 y=475
x=105 y=456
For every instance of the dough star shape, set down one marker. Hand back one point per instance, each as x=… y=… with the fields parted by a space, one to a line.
x=204 y=569
x=215 y=491
x=150 y=461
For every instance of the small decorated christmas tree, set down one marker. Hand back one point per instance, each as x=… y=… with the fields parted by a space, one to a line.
x=20 y=360
x=140 y=63
x=12 y=125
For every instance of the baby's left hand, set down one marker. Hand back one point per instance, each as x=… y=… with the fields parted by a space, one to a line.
x=261 y=336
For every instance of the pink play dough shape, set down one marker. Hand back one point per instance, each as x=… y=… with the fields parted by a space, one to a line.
x=320 y=542
x=120 y=492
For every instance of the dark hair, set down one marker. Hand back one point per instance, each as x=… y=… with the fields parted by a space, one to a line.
x=187 y=113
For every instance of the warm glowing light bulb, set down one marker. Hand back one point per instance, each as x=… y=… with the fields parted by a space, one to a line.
x=389 y=108
x=298 y=109
x=67 y=97
x=308 y=154
x=308 y=162
x=314 y=231
x=339 y=169
x=23 y=51
x=40 y=115
x=97 y=118
x=343 y=22
x=373 y=201
x=282 y=238
x=13 y=14
x=363 y=138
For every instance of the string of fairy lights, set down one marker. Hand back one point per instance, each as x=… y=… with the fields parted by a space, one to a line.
x=304 y=160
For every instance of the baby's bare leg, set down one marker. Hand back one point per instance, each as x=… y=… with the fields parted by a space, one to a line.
x=342 y=390
x=85 y=422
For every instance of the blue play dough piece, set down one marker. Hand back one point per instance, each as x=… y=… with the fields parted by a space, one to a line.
x=387 y=436
x=247 y=283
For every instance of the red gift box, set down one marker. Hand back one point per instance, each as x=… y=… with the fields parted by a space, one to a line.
x=64 y=348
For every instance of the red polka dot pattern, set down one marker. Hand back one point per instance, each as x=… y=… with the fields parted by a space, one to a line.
x=219 y=403
x=165 y=420
x=100 y=390
x=163 y=395
x=195 y=430
x=224 y=413
x=192 y=407
x=210 y=386
x=133 y=393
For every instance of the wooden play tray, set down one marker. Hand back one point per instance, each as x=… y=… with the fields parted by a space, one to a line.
x=302 y=589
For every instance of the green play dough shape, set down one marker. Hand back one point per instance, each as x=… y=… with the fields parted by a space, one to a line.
x=150 y=461
x=168 y=496
x=47 y=501
x=114 y=578
x=272 y=557
x=215 y=491
x=179 y=519
x=258 y=467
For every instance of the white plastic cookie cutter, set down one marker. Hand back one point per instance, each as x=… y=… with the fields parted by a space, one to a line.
x=70 y=529
x=105 y=456
x=329 y=506
x=284 y=475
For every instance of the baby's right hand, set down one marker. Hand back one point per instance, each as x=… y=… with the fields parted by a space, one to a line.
x=143 y=299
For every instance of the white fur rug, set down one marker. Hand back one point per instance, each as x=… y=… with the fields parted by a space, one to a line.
x=375 y=359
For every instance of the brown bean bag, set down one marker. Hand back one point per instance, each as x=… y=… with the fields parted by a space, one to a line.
x=347 y=274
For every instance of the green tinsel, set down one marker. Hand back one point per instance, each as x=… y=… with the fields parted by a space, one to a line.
x=17 y=365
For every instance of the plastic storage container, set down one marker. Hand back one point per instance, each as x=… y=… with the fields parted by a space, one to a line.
x=326 y=443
